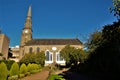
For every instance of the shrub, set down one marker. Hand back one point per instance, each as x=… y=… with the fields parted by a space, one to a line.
x=14 y=69
x=15 y=77
x=33 y=68
x=28 y=58
x=8 y=63
x=27 y=74
x=23 y=69
x=3 y=71
x=38 y=58
x=22 y=75
x=29 y=67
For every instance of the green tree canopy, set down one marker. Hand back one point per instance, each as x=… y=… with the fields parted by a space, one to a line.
x=72 y=55
x=94 y=40
x=116 y=8
x=105 y=58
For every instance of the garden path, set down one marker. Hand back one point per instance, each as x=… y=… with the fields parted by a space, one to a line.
x=43 y=75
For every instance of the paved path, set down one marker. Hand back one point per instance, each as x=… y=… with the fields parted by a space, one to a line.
x=43 y=75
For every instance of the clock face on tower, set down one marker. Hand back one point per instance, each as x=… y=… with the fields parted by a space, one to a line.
x=26 y=31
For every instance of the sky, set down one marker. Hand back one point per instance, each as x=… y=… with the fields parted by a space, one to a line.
x=55 y=18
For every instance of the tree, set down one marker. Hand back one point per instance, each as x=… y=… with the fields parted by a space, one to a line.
x=28 y=58
x=40 y=58
x=94 y=41
x=105 y=58
x=66 y=53
x=3 y=71
x=116 y=8
x=72 y=55
x=14 y=69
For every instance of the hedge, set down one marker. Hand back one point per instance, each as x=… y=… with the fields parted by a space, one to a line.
x=23 y=69
x=14 y=69
x=3 y=71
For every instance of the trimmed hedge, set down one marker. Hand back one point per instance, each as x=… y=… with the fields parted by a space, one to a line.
x=29 y=67
x=3 y=71
x=14 y=69
x=23 y=69
x=33 y=68
x=8 y=63
x=15 y=77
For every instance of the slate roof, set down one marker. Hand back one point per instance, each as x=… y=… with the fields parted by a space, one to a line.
x=54 y=42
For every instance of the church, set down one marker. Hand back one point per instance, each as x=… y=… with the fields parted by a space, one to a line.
x=51 y=47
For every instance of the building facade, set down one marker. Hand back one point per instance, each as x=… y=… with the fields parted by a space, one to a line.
x=4 y=46
x=51 y=47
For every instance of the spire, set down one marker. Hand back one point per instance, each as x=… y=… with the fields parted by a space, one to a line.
x=29 y=11
x=28 y=22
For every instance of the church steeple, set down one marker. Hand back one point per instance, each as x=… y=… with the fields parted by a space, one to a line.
x=29 y=12
x=27 y=30
x=28 y=23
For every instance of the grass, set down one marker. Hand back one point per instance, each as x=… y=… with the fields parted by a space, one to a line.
x=56 y=77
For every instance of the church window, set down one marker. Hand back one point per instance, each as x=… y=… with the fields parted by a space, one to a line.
x=38 y=49
x=48 y=56
x=30 y=50
x=59 y=58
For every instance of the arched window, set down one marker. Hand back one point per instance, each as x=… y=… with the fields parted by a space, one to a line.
x=30 y=50
x=38 y=50
x=59 y=58
x=48 y=56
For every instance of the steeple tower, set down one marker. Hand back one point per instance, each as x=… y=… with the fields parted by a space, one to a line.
x=27 y=31
x=28 y=23
x=29 y=11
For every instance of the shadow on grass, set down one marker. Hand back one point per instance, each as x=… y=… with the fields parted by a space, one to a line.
x=70 y=75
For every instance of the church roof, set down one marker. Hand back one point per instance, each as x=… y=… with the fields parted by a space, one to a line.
x=54 y=42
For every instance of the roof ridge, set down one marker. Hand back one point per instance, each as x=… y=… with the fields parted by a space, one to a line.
x=54 y=42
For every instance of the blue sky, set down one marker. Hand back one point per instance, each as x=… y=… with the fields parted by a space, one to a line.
x=54 y=18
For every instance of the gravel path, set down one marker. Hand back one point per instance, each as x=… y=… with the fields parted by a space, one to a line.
x=43 y=75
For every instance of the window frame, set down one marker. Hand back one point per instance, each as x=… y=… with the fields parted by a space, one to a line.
x=50 y=57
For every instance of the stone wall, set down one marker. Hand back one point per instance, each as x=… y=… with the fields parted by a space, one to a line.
x=4 y=45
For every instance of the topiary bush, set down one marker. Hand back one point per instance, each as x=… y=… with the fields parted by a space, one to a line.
x=29 y=67
x=23 y=69
x=3 y=71
x=33 y=68
x=8 y=63
x=14 y=69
